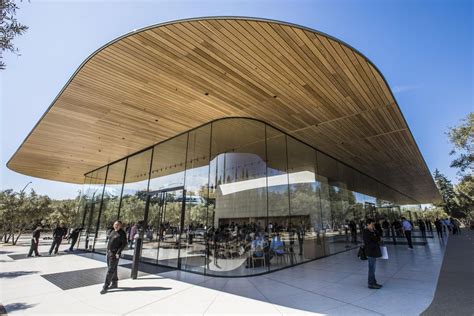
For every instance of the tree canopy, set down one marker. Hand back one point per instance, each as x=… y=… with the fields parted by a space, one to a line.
x=458 y=199
x=9 y=28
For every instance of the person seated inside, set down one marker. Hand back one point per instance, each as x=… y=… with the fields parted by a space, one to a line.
x=259 y=249
x=258 y=245
x=277 y=246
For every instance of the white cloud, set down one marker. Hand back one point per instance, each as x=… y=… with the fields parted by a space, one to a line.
x=405 y=88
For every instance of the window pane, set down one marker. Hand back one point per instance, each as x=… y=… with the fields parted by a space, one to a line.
x=92 y=205
x=132 y=208
x=167 y=172
x=238 y=179
x=168 y=165
x=305 y=210
x=281 y=227
x=110 y=203
x=335 y=202
x=194 y=241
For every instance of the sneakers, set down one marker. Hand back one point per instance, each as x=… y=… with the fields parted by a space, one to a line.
x=374 y=286
x=103 y=291
x=114 y=285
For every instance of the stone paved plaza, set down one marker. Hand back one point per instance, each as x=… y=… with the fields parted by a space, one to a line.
x=335 y=285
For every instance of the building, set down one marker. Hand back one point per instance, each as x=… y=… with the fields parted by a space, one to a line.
x=224 y=135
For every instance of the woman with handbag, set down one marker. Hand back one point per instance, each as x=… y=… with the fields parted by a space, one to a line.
x=372 y=250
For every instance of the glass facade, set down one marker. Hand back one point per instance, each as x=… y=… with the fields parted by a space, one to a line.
x=233 y=197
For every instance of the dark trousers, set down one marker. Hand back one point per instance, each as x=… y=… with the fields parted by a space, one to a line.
x=408 y=237
x=372 y=261
x=55 y=245
x=423 y=233
x=354 y=237
x=73 y=242
x=300 y=244
x=112 y=263
x=34 y=247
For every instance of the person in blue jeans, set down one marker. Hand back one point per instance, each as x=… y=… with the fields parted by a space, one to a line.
x=372 y=251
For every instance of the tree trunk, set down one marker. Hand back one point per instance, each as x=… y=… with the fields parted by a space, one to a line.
x=18 y=237
x=12 y=232
x=8 y=238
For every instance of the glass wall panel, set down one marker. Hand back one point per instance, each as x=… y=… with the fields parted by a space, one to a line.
x=281 y=227
x=84 y=210
x=92 y=205
x=305 y=208
x=237 y=219
x=110 y=204
x=135 y=194
x=235 y=197
x=167 y=173
x=195 y=244
x=337 y=212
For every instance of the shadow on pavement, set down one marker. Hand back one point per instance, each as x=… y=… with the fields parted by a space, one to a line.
x=14 y=274
x=139 y=288
x=17 y=306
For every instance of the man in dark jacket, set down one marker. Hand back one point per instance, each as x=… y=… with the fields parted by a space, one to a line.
x=58 y=234
x=372 y=251
x=73 y=236
x=35 y=242
x=117 y=242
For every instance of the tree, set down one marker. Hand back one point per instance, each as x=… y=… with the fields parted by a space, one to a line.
x=434 y=212
x=464 y=193
x=462 y=138
x=8 y=205
x=9 y=28
x=63 y=211
x=446 y=190
x=21 y=212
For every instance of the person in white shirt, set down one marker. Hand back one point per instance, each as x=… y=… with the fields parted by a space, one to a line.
x=407 y=227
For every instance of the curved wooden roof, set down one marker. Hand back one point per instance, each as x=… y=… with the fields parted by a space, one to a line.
x=155 y=83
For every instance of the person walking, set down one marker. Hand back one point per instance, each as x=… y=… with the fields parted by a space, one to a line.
x=407 y=228
x=430 y=227
x=439 y=228
x=386 y=228
x=422 y=227
x=117 y=242
x=35 y=242
x=58 y=234
x=372 y=251
x=447 y=223
x=131 y=235
x=353 y=228
x=73 y=236
x=301 y=233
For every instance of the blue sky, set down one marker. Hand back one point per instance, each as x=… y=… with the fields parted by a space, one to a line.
x=423 y=48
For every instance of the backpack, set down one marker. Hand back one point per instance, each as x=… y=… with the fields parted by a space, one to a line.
x=361 y=253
